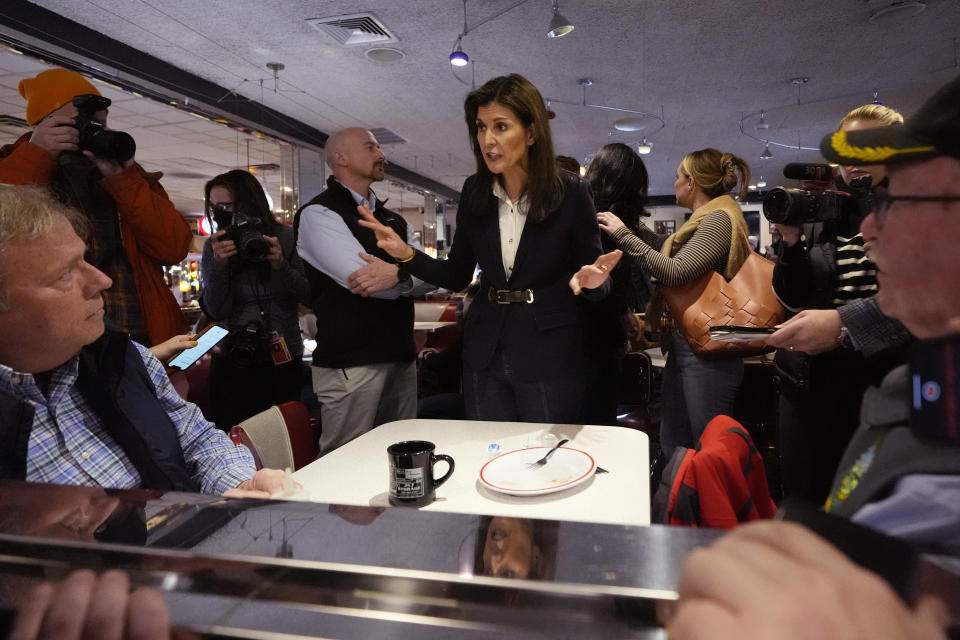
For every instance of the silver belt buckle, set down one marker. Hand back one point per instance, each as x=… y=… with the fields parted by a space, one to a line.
x=503 y=296
x=529 y=293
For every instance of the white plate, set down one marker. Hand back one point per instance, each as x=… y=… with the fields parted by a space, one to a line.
x=513 y=474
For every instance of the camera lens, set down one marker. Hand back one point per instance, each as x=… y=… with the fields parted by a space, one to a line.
x=776 y=205
x=253 y=246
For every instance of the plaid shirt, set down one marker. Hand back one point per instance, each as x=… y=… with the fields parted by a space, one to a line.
x=68 y=444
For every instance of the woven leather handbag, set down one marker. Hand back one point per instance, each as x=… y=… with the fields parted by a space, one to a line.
x=746 y=300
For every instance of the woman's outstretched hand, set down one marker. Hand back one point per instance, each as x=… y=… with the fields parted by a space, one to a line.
x=609 y=222
x=591 y=276
x=387 y=238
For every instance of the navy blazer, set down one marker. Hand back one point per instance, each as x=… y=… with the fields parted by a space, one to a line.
x=542 y=339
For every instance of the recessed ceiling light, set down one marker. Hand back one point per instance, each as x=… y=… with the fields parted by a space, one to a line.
x=384 y=54
x=631 y=123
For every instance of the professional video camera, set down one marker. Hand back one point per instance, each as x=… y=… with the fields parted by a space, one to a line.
x=94 y=136
x=245 y=231
x=794 y=207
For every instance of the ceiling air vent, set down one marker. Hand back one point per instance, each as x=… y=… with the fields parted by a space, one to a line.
x=354 y=29
x=386 y=136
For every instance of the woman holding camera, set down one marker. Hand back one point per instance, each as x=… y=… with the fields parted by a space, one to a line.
x=695 y=389
x=829 y=353
x=530 y=228
x=253 y=280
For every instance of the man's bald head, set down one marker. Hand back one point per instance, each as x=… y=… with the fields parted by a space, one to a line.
x=355 y=158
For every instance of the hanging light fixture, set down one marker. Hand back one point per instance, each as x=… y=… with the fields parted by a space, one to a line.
x=559 y=26
x=766 y=155
x=458 y=57
x=763 y=123
x=761 y=183
x=644 y=147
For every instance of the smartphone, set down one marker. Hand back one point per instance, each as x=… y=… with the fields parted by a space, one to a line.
x=206 y=340
x=734 y=333
x=935 y=390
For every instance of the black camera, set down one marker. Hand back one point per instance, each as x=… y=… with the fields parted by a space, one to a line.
x=794 y=207
x=94 y=136
x=245 y=231
x=246 y=348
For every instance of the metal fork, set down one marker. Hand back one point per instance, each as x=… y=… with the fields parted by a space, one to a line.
x=542 y=461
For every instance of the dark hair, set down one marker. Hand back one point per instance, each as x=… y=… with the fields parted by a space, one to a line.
x=544 y=189
x=618 y=179
x=568 y=163
x=248 y=197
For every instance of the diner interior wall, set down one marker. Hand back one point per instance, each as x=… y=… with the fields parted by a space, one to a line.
x=313 y=173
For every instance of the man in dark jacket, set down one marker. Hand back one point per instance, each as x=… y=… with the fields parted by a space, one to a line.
x=81 y=405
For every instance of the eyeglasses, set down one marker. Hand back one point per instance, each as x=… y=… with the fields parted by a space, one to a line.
x=222 y=207
x=883 y=201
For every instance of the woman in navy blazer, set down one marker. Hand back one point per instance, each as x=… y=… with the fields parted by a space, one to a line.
x=530 y=228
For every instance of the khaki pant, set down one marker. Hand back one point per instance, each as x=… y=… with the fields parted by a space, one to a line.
x=357 y=399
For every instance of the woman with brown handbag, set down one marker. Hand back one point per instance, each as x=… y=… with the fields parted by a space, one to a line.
x=695 y=389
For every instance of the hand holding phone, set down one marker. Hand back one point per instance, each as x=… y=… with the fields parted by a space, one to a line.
x=735 y=333
x=206 y=340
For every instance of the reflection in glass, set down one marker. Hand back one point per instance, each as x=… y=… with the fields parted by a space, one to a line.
x=72 y=513
x=516 y=548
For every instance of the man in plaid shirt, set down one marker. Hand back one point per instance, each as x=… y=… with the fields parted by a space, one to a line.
x=81 y=404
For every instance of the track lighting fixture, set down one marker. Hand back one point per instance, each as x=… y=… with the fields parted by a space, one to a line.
x=458 y=57
x=559 y=26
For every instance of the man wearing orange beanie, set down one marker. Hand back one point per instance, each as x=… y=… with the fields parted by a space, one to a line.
x=134 y=229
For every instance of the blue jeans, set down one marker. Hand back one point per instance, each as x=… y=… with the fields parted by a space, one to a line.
x=694 y=391
x=495 y=393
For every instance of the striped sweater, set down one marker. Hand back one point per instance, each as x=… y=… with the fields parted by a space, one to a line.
x=856 y=276
x=706 y=250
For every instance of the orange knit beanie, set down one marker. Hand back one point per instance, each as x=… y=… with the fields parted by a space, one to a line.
x=50 y=90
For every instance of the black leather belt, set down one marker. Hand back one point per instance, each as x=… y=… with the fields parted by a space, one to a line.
x=506 y=296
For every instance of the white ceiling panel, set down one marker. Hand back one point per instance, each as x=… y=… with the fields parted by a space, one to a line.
x=706 y=64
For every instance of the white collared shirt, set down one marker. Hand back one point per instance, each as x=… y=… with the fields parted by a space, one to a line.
x=512 y=217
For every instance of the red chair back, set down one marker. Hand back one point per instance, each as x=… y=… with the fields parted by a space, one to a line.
x=198 y=376
x=304 y=433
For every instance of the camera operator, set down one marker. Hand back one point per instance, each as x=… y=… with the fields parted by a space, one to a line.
x=824 y=360
x=253 y=281
x=134 y=228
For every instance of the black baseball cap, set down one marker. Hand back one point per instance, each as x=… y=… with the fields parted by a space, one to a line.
x=934 y=130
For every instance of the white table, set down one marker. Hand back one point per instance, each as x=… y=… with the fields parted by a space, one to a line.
x=358 y=472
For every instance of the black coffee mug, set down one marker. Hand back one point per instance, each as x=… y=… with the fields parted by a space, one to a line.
x=411 y=472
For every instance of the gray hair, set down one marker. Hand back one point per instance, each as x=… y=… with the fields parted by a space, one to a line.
x=31 y=211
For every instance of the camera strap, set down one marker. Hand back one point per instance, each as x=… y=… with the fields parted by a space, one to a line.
x=78 y=186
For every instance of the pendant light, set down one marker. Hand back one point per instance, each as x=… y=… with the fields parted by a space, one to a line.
x=559 y=26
